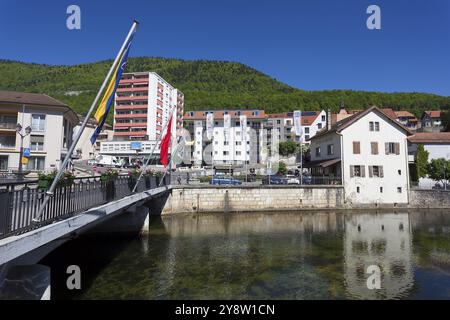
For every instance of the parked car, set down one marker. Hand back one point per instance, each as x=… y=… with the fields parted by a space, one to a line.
x=222 y=179
x=291 y=179
x=91 y=162
x=278 y=180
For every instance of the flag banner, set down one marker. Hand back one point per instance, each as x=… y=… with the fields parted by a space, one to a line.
x=165 y=143
x=209 y=125
x=298 y=123
x=243 y=123
x=105 y=105
x=226 y=126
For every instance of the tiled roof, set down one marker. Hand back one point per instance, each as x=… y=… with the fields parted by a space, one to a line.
x=434 y=114
x=340 y=125
x=29 y=98
x=405 y=114
x=308 y=117
x=430 y=137
x=218 y=114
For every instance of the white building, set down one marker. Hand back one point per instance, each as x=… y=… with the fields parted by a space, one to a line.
x=438 y=146
x=282 y=124
x=236 y=148
x=51 y=123
x=369 y=152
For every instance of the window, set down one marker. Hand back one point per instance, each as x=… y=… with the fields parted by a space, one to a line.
x=376 y=171
x=307 y=137
x=374 y=126
x=238 y=153
x=392 y=148
x=318 y=152
x=374 y=147
x=323 y=118
x=238 y=143
x=319 y=126
x=399 y=172
x=3 y=162
x=357 y=189
x=36 y=163
x=330 y=149
x=226 y=143
x=38 y=122
x=357 y=171
x=37 y=143
x=356 y=147
x=381 y=189
x=306 y=130
x=225 y=153
x=399 y=189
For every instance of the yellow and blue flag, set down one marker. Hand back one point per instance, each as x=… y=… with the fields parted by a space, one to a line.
x=103 y=109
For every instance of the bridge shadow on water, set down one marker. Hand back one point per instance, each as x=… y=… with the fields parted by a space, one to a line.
x=92 y=252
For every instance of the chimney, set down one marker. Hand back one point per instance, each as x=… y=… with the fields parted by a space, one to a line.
x=328 y=119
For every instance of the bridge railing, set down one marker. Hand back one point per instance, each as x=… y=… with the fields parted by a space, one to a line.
x=20 y=201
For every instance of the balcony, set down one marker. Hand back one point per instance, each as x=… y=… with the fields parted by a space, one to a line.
x=8 y=142
x=132 y=98
x=141 y=133
x=138 y=89
x=8 y=122
x=140 y=80
x=130 y=115
x=132 y=107
x=131 y=124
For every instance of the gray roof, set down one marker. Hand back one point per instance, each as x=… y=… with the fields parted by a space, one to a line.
x=29 y=98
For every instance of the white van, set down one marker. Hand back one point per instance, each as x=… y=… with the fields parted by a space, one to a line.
x=108 y=161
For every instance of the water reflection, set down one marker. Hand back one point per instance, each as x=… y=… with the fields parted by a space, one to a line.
x=300 y=255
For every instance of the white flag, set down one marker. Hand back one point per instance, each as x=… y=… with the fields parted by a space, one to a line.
x=209 y=125
x=226 y=126
x=298 y=123
x=243 y=122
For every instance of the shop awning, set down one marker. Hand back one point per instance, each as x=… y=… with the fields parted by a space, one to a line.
x=321 y=163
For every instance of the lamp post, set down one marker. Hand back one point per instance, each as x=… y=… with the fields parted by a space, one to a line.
x=22 y=136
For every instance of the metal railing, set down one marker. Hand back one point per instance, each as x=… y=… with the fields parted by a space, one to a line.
x=20 y=201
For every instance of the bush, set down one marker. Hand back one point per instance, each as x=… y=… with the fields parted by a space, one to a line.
x=109 y=175
x=45 y=180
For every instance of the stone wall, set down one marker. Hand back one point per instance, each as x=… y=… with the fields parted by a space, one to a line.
x=252 y=198
x=434 y=199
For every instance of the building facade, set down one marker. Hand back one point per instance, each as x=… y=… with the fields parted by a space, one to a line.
x=84 y=149
x=282 y=124
x=51 y=122
x=236 y=147
x=144 y=103
x=431 y=121
x=369 y=152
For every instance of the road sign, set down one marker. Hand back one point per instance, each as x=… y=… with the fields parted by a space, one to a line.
x=135 y=145
x=26 y=152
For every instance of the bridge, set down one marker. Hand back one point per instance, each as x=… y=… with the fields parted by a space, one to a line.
x=74 y=208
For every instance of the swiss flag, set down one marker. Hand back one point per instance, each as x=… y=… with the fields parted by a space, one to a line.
x=164 y=154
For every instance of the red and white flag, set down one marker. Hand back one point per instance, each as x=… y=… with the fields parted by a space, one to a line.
x=165 y=143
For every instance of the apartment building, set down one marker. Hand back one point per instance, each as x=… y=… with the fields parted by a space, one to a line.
x=407 y=119
x=144 y=103
x=234 y=147
x=282 y=125
x=369 y=152
x=50 y=126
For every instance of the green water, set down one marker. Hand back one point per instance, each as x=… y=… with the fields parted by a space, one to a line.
x=302 y=255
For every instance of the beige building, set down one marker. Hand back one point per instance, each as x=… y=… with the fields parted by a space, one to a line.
x=51 y=123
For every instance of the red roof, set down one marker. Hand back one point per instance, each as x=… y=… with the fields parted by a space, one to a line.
x=306 y=120
x=433 y=114
x=405 y=114
x=430 y=137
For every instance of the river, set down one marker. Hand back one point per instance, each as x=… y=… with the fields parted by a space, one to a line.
x=289 y=255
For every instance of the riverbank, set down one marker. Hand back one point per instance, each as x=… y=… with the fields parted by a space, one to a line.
x=207 y=198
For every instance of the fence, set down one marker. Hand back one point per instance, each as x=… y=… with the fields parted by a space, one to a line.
x=20 y=201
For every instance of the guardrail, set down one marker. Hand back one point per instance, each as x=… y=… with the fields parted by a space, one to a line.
x=20 y=201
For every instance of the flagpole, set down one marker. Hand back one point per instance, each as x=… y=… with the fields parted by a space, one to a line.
x=68 y=156
x=154 y=147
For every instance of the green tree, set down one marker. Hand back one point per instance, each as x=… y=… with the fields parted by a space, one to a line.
x=287 y=148
x=439 y=169
x=421 y=162
x=282 y=168
x=446 y=120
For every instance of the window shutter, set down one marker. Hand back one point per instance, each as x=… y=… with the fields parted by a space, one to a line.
x=380 y=168
x=363 y=171
x=356 y=147
x=397 y=148
x=386 y=147
x=370 y=171
x=352 y=171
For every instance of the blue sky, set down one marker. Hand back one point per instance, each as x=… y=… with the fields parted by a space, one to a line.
x=311 y=45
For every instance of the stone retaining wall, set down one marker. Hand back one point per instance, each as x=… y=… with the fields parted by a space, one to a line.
x=434 y=199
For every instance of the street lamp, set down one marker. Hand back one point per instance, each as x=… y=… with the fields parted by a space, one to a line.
x=22 y=136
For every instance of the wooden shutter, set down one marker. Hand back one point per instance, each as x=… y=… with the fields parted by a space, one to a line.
x=380 y=168
x=370 y=171
x=363 y=171
x=356 y=147
x=397 y=148
x=352 y=171
x=386 y=147
x=374 y=147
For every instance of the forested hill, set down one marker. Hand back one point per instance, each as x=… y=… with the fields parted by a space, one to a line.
x=206 y=85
